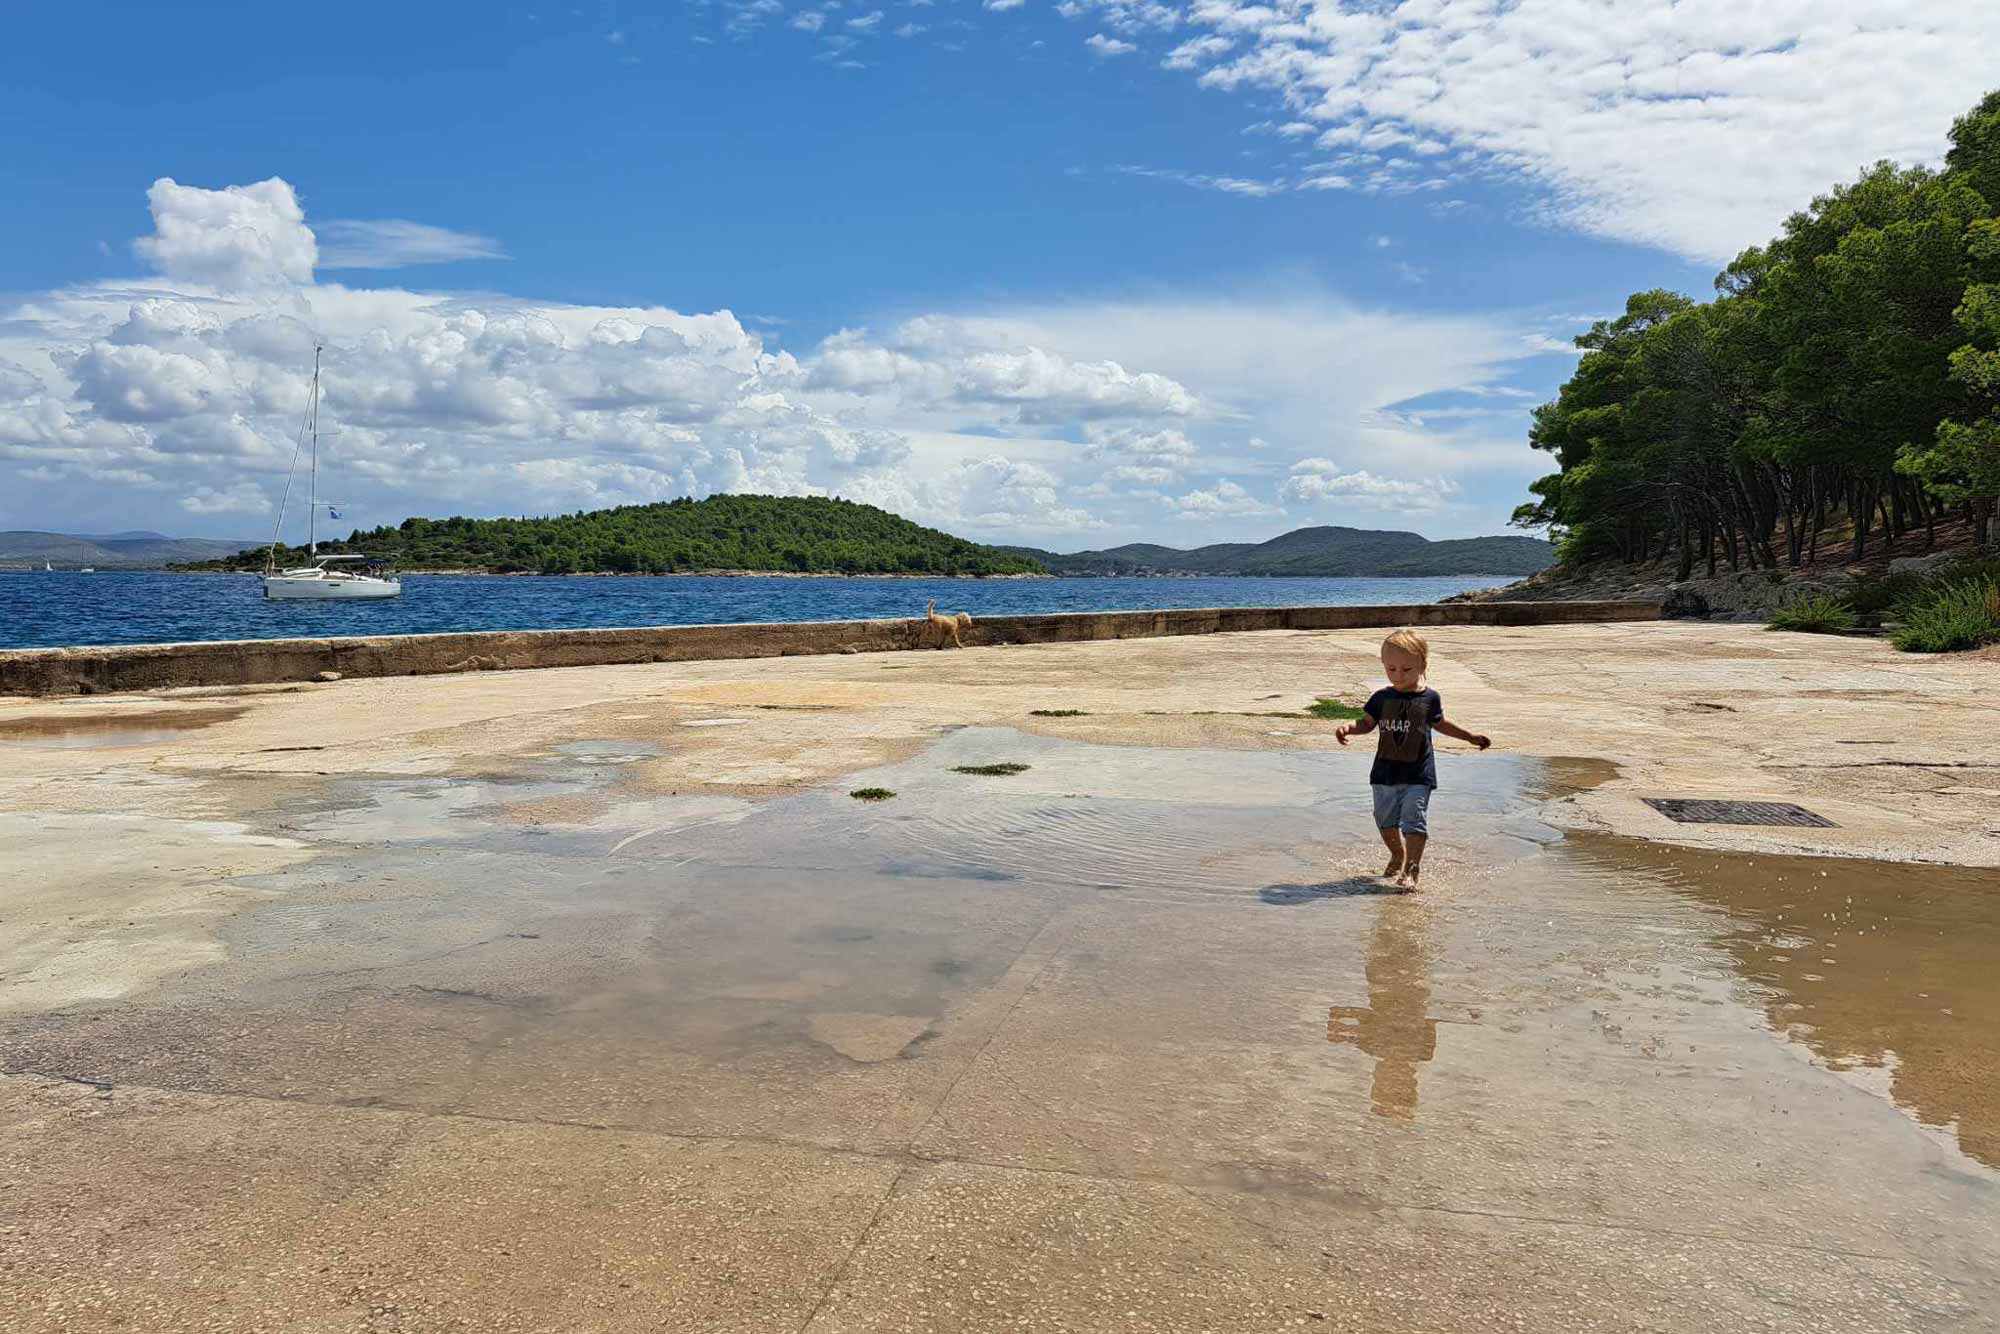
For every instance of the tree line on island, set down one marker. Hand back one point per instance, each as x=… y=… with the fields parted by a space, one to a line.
x=817 y=535
x=1842 y=384
x=781 y=534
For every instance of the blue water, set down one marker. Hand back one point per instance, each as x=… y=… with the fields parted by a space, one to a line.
x=39 y=610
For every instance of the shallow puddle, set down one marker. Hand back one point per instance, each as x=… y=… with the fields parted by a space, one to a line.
x=107 y=731
x=815 y=968
x=1888 y=972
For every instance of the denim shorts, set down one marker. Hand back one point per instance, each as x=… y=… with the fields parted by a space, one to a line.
x=1402 y=806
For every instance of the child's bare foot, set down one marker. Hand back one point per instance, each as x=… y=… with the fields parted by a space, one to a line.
x=1408 y=879
x=1395 y=868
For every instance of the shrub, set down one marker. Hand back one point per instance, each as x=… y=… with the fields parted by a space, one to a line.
x=1814 y=614
x=1894 y=596
x=1952 y=617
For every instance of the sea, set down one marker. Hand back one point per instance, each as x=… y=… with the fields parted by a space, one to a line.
x=58 y=610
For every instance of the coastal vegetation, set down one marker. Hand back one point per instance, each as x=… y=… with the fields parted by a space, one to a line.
x=1957 y=610
x=1842 y=386
x=871 y=794
x=1004 y=770
x=1814 y=614
x=781 y=534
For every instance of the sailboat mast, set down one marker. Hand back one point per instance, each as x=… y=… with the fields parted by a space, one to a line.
x=312 y=485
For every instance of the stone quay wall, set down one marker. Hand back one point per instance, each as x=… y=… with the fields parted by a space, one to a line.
x=236 y=662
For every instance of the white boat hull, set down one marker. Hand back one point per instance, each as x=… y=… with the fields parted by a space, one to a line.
x=317 y=586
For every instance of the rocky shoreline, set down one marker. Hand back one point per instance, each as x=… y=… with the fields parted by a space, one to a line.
x=1748 y=596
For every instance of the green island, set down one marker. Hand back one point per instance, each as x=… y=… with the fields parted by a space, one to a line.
x=1841 y=387
x=777 y=534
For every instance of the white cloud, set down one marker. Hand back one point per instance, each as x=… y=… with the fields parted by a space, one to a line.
x=241 y=236
x=1167 y=446
x=1106 y=47
x=866 y=22
x=390 y=244
x=1002 y=6
x=1695 y=126
x=1196 y=51
x=1234 y=185
x=938 y=363
x=1129 y=17
x=1226 y=499
x=808 y=20
x=747 y=16
x=1317 y=480
x=242 y=498
x=119 y=401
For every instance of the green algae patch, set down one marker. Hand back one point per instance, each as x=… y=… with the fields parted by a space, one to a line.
x=871 y=794
x=990 y=770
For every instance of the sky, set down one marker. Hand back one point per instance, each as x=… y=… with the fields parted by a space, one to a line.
x=1070 y=275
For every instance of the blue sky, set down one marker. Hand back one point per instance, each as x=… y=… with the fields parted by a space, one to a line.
x=1072 y=275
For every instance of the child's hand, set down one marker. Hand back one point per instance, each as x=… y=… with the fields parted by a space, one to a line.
x=1482 y=741
x=1342 y=732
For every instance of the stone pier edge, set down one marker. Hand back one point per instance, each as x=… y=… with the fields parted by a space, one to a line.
x=128 y=667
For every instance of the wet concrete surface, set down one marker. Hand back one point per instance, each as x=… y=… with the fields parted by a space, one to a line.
x=81 y=729
x=1887 y=973
x=1132 y=1039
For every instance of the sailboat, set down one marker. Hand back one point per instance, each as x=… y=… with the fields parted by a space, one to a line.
x=322 y=576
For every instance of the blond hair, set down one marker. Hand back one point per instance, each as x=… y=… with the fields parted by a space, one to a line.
x=1412 y=643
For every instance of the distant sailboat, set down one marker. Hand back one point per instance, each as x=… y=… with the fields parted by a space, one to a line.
x=48 y=568
x=319 y=578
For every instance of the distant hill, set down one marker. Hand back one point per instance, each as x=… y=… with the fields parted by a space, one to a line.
x=796 y=534
x=23 y=549
x=1322 y=552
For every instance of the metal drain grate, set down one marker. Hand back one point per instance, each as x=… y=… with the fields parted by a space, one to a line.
x=1704 y=810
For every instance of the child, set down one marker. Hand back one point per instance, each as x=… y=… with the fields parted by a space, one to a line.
x=1405 y=771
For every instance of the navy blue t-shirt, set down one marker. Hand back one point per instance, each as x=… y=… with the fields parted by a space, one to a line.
x=1403 y=723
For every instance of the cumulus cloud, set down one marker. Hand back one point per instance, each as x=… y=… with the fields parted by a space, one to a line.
x=239 y=236
x=937 y=362
x=242 y=498
x=1225 y=499
x=1317 y=480
x=1104 y=47
x=182 y=393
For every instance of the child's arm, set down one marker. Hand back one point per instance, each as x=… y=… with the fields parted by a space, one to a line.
x=1452 y=729
x=1359 y=727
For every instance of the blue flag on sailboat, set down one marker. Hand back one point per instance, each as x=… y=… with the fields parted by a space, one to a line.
x=332 y=512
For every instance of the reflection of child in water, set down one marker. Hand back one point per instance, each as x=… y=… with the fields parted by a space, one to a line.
x=1396 y=1027
x=1405 y=770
